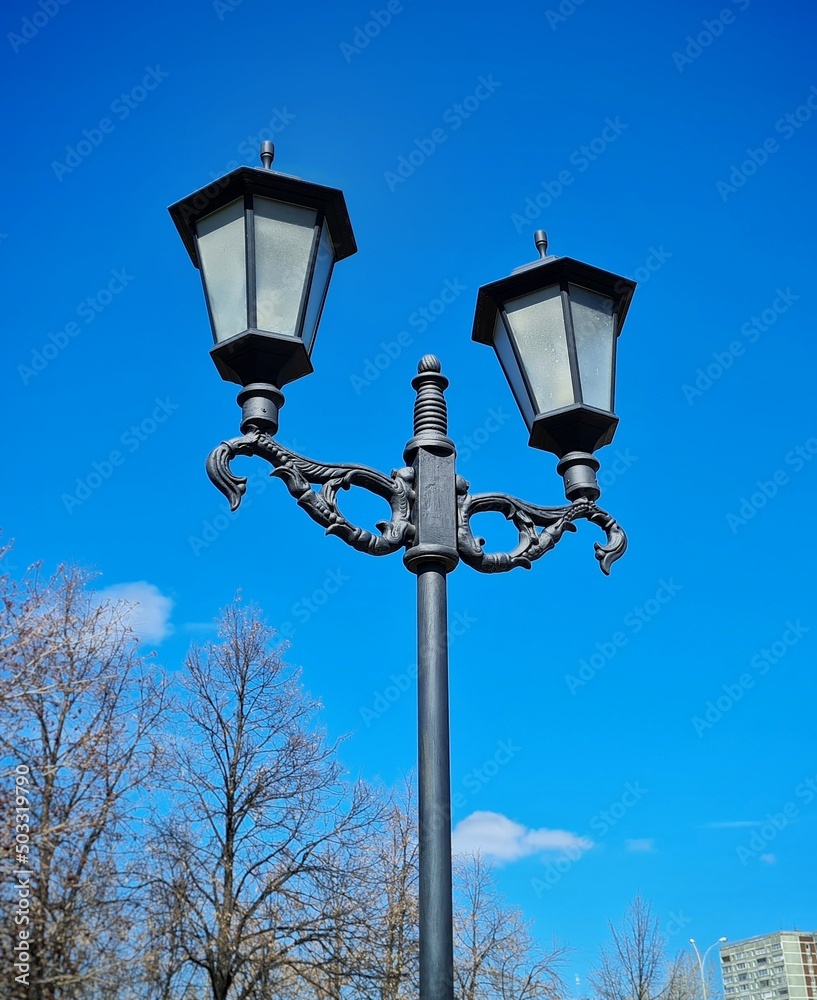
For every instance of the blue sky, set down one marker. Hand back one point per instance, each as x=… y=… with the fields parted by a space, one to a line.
x=658 y=725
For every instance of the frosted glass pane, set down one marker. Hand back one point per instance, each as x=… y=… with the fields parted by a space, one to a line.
x=223 y=266
x=510 y=366
x=323 y=272
x=593 y=327
x=537 y=324
x=283 y=240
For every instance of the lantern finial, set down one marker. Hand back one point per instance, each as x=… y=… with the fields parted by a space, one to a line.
x=267 y=154
x=541 y=239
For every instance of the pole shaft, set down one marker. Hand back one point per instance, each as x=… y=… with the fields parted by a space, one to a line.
x=434 y=779
x=432 y=456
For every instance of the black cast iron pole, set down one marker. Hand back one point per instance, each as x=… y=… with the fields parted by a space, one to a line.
x=432 y=556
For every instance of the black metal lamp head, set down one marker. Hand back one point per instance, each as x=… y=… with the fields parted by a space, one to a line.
x=266 y=244
x=554 y=325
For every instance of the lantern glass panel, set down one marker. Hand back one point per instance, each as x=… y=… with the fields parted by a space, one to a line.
x=513 y=373
x=324 y=263
x=283 y=242
x=538 y=327
x=223 y=267
x=593 y=329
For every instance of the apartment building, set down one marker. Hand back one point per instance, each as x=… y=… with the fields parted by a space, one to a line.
x=771 y=967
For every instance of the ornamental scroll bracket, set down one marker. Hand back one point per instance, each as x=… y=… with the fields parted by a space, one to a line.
x=527 y=517
x=540 y=528
x=300 y=474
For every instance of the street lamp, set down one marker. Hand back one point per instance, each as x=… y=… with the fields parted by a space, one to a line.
x=266 y=244
x=702 y=961
x=554 y=326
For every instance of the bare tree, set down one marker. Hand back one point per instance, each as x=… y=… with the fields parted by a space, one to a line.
x=383 y=961
x=77 y=705
x=686 y=974
x=495 y=957
x=635 y=964
x=261 y=830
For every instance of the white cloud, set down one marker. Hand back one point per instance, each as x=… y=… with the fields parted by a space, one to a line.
x=150 y=617
x=494 y=835
x=643 y=845
x=768 y=859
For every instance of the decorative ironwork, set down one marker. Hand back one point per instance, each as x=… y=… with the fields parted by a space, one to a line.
x=527 y=517
x=400 y=491
x=299 y=474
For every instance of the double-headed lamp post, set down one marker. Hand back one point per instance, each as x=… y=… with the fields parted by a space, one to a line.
x=266 y=244
x=702 y=961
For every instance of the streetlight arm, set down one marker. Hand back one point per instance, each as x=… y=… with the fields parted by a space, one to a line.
x=299 y=474
x=526 y=517
x=419 y=513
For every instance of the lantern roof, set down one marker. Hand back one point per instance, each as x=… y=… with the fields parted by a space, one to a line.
x=268 y=184
x=542 y=274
